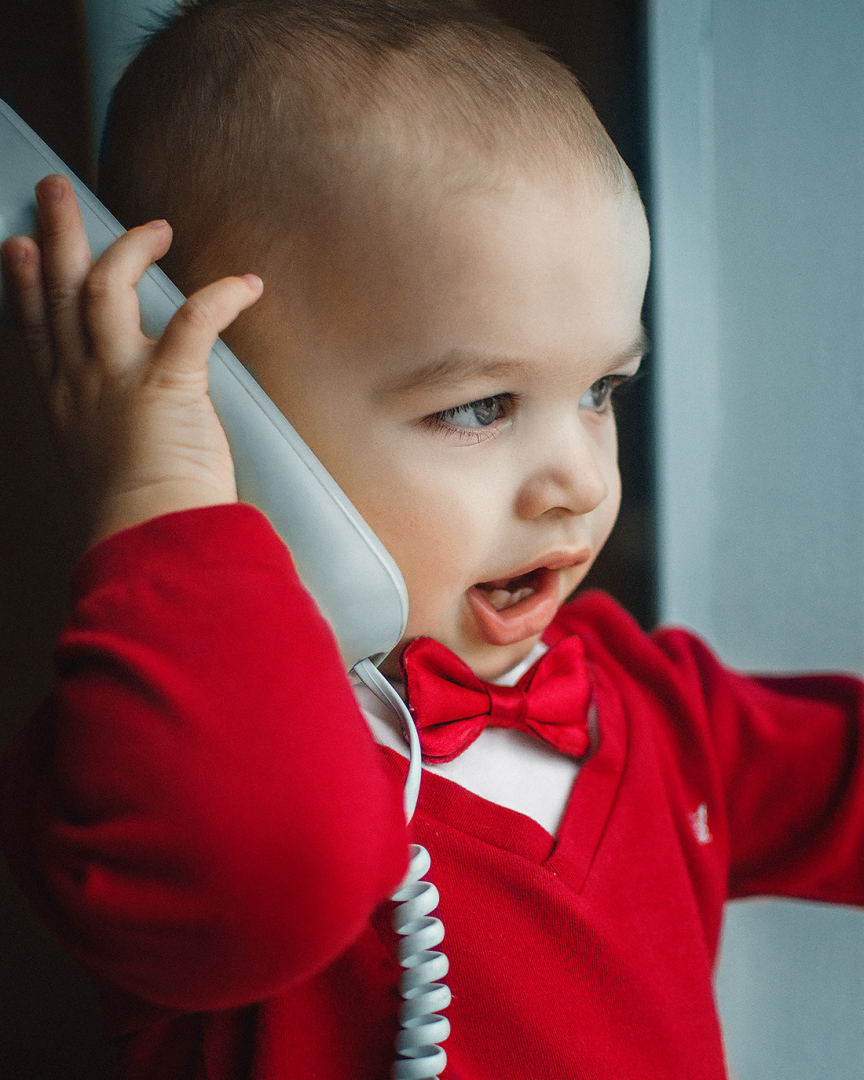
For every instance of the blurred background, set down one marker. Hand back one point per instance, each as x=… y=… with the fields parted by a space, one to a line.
x=742 y=455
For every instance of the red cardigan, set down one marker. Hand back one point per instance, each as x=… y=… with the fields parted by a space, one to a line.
x=201 y=815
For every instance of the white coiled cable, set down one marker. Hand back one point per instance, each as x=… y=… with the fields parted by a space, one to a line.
x=423 y=995
x=423 y=1028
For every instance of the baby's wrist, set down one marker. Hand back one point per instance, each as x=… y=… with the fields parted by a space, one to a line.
x=115 y=513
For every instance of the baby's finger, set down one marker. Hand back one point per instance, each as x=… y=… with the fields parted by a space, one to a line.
x=189 y=337
x=109 y=299
x=23 y=271
x=66 y=262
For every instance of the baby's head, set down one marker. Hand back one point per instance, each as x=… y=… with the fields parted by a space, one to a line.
x=454 y=260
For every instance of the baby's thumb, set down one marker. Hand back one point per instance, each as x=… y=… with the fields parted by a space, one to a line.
x=188 y=338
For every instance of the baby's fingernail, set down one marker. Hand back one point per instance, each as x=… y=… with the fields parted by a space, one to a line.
x=159 y=223
x=254 y=281
x=50 y=190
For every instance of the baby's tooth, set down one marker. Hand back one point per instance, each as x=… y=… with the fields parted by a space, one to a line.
x=503 y=598
x=499 y=599
x=521 y=594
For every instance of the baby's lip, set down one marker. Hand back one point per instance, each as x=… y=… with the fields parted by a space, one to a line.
x=556 y=560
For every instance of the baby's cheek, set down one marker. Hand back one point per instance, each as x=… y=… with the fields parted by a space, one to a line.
x=418 y=526
x=434 y=536
x=609 y=511
x=435 y=571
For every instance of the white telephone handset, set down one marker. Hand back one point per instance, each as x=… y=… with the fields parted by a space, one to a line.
x=353 y=579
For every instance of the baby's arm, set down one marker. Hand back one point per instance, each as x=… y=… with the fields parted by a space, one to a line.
x=131 y=416
x=198 y=809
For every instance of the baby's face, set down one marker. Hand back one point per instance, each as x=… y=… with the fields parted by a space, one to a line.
x=452 y=370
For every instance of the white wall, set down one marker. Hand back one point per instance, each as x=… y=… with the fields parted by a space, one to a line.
x=758 y=216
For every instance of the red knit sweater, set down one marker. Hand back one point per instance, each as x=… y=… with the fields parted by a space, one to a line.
x=200 y=813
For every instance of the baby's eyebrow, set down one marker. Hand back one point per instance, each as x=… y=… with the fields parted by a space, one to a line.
x=459 y=366
x=454 y=368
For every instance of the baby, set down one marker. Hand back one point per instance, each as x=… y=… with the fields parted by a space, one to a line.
x=455 y=259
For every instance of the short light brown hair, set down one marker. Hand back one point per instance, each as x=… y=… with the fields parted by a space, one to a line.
x=242 y=120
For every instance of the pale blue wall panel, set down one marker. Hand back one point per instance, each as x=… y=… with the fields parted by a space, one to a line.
x=758 y=163
x=789 y=138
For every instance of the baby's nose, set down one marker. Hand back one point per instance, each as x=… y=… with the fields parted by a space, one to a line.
x=568 y=478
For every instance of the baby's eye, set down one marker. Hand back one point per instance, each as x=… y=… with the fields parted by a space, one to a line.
x=598 y=396
x=476 y=421
x=476 y=414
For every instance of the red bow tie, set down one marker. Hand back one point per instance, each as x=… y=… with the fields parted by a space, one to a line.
x=451 y=706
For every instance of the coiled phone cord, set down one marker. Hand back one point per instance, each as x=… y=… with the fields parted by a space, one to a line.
x=420 y=1056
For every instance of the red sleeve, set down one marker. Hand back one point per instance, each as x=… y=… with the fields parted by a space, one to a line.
x=199 y=810
x=790 y=754
x=779 y=761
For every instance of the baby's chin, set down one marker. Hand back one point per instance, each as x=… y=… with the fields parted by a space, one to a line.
x=487 y=661
x=490 y=662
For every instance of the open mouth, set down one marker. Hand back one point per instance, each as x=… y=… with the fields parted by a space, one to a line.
x=507 y=592
x=508 y=610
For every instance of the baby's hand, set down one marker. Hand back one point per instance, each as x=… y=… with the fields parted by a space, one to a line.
x=131 y=415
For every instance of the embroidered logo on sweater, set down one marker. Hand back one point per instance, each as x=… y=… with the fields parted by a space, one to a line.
x=699 y=824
